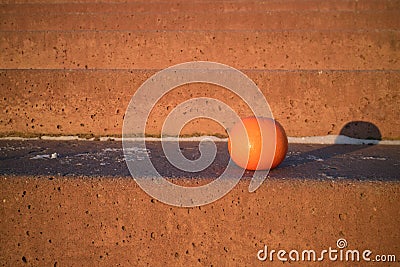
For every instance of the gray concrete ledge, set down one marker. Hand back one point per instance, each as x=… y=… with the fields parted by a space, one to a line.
x=103 y=159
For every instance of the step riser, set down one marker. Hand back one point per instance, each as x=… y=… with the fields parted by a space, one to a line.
x=245 y=50
x=279 y=20
x=306 y=103
x=199 y=6
x=89 y=221
x=321 y=64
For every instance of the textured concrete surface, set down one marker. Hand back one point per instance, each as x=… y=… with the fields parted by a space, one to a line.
x=71 y=68
x=74 y=203
x=106 y=158
x=240 y=49
x=213 y=19
x=67 y=67
x=306 y=103
x=201 y=6
x=57 y=221
x=326 y=67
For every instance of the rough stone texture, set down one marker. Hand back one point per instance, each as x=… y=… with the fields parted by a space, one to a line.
x=110 y=221
x=320 y=64
x=94 y=102
x=83 y=207
x=201 y=6
x=213 y=19
x=346 y=50
x=326 y=67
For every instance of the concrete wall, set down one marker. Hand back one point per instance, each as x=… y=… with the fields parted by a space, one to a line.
x=72 y=68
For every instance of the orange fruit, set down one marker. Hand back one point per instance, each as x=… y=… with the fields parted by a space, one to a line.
x=257 y=150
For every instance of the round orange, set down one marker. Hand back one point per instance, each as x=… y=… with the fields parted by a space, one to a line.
x=252 y=147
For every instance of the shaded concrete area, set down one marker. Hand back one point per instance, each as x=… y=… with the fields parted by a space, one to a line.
x=105 y=159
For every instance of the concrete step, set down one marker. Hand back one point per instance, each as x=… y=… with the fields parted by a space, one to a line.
x=82 y=207
x=325 y=67
x=156 y=50
x=36 y=19
x=307 y=103
x=176 y=6
x=106 y=159
x=71 y=67
x=64 y=221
